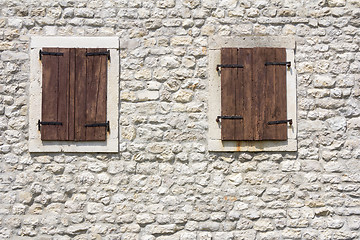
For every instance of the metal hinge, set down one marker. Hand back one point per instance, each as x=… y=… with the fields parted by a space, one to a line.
x=228 y=117
x=288 y=64
x=50 y=53
x=228 y=66
x=106 y=124
x=280 y=122
x=47 y=123
x=107 y=53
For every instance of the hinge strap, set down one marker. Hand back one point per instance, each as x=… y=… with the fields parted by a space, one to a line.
x=280 y=122
x=47 y=123
x=106 y=124
x=107 y=53
x=288 y=64
x=228 y=66
x=228 y=117
x=50 y=53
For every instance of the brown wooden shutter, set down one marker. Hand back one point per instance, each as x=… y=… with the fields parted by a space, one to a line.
x=275 y=95
x=256 y=92
x=55 y=94
x=74 y=88
x=90 y=95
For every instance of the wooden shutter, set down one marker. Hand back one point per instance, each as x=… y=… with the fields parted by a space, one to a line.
x=275 y=95
x=74 y=88
x=90 y=95
x=55 y=94
x=256 y=92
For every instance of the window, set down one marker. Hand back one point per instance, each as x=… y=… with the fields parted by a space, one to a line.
x=253 y=94
x=73 y=89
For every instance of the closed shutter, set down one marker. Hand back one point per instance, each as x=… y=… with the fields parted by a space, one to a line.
x=55 y=93
x=274 y=107
x=257 y=92
x=74 y=94
x=90 y=104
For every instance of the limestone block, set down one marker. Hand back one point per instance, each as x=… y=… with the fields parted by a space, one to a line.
x=84 y=12
x=354 y=123
x=161 y=229
x=253 y=12
x=336 y=3
x=145 y=218
x=169 y=62
x=94 y=208
x=78 y=228
x=236 y=179
x=128 y=132
x=165 y=4
x=323 y=81
x=208 y=30
x=184 y=96
x=25 y=197
x=12 y=56
x=188 y=23
x=181 y=40
x=148 y=95
x=263 y=225
x=290 y=166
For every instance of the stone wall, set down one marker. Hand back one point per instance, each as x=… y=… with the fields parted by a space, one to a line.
x=164 y=183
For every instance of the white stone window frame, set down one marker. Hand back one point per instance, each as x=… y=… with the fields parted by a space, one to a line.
x=111 y=145
x=214 y=108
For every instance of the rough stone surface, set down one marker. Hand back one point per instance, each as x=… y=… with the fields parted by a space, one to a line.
x=164 y=183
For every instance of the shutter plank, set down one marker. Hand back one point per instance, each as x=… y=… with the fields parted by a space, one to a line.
x=228 y=98
x=80 y=94
x=258 y=86
x=50 y=86
x=91 y=89
x=239 y=103
x=244 y=128
x=71 y=116
x=270 y=101
x=281 y=106
x=101 y=115
x=63 y=95
x=96 y=95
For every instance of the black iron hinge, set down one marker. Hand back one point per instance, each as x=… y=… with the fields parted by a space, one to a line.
x=47 y=123
x=50 y=53
x=107 y=53
x=106 y=124
x=228 y=117
x=288 y=64
x=228 y=66
x=280 y=122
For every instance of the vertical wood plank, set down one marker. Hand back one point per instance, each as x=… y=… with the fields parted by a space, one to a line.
x=101 y=113
x=91 y=89
x=71 y=116
x=50 y=87
x=63 y=95
x=281 y=106
x=270 y=101
x=258 y=92
x=80 y=94
x=244 y=128
x=228 y=76
x=239 y=93
x=96 y=95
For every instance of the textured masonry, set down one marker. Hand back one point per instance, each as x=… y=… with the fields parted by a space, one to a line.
x=164 y=183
